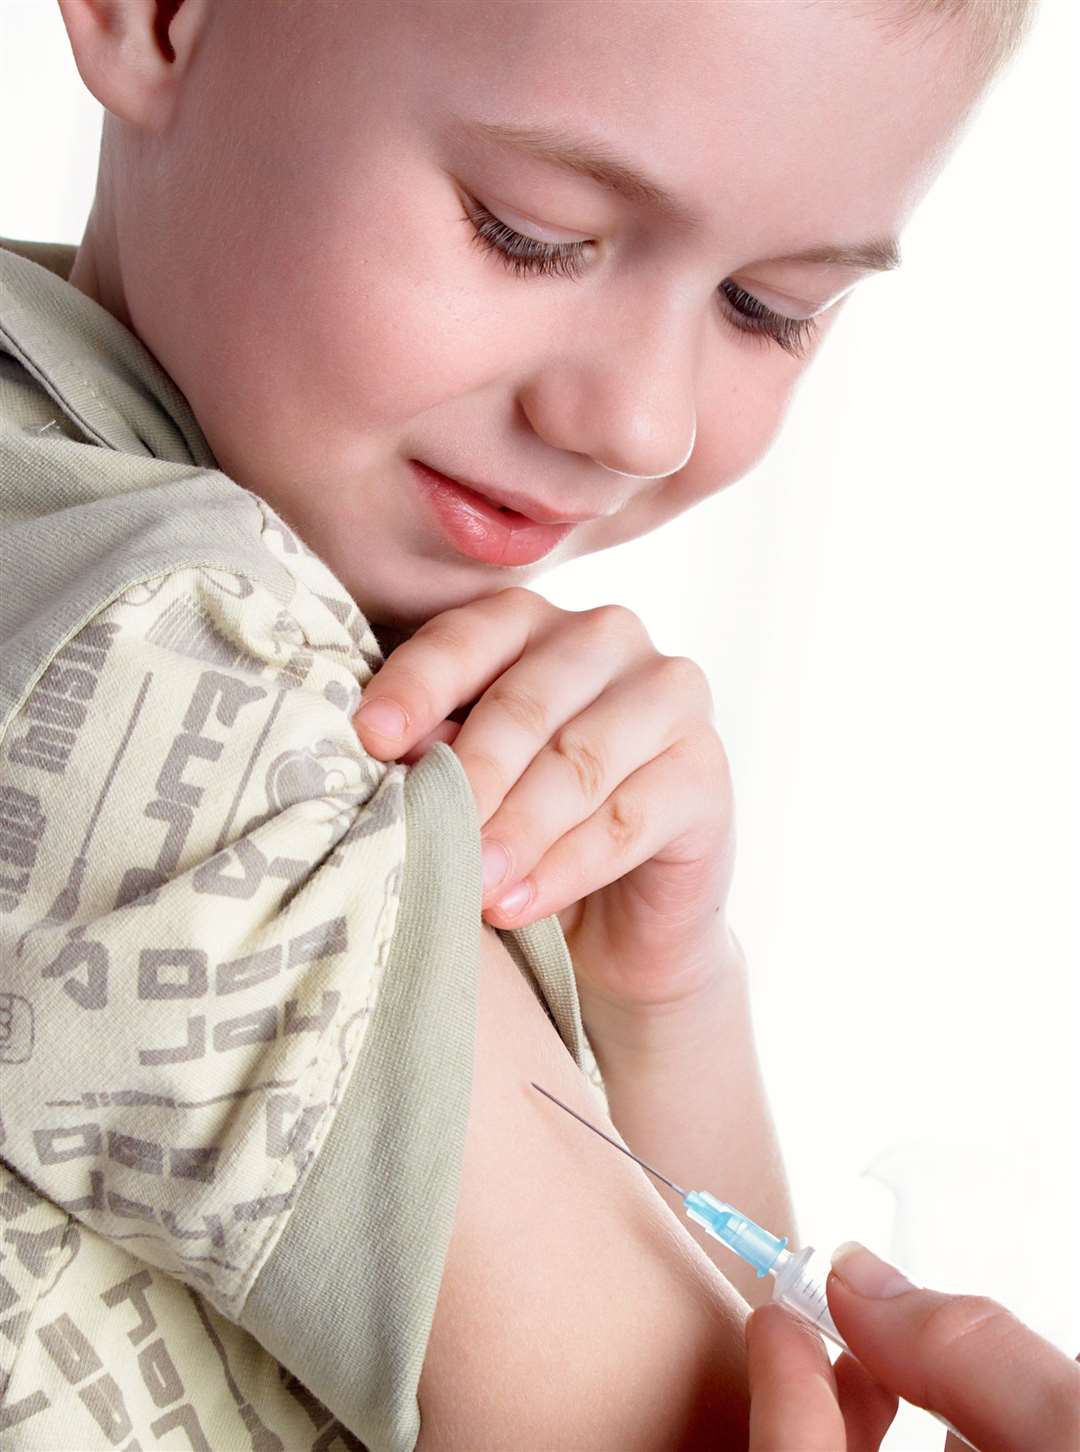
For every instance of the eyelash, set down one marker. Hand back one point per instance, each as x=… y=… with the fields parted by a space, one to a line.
x=525 y=255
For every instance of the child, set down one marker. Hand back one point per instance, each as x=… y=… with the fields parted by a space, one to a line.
x=257 y=1189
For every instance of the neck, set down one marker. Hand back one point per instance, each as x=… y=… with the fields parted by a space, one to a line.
x=95 y=269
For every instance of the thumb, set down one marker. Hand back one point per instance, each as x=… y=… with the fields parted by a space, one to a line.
x=966 y=1357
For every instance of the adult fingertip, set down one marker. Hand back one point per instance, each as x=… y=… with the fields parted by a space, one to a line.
x=861 y=1271
x=767 y=1314
x=773 y=1324
x=751 y=1321
x=760 y=1316
x=793 y=1400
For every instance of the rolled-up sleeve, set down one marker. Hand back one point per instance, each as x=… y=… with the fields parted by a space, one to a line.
x=239 y=962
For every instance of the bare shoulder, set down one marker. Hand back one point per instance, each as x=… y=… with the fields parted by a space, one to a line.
x=576 y=1311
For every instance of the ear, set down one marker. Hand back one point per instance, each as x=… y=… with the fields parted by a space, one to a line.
x=133 y=54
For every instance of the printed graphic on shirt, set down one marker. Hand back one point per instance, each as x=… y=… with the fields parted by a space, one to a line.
x=201 y=877
x=119 y=1355
x=200 y=874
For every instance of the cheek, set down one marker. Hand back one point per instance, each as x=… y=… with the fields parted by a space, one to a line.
x=379 y=329
x=397 y=313
x=321 y=329
x=736 y=429
x=366 y=337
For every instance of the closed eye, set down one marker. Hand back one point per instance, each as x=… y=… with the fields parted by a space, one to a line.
x=529 y=256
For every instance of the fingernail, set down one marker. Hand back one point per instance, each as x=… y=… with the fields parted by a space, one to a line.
x=384 y=718
x=515 y=899
x=496 y=863
x=866 y=1275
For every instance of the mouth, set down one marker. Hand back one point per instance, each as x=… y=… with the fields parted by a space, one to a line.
x=485 y=528
x=509 y=502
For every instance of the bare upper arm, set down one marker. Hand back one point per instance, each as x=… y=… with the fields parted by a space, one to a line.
x=575 y=1311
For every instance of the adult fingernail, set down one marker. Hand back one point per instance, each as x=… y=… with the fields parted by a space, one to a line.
x=862 y=1272
x=384 y=717
x=496 y=862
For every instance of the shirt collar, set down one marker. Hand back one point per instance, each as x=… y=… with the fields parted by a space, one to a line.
x=94 y=368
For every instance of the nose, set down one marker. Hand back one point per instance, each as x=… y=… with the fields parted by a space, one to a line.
x=625 y=397
x=665 y=472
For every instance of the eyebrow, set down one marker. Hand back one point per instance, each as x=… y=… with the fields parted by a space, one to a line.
x=590 y=157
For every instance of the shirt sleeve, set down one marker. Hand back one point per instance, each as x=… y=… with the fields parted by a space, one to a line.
x=239 y=972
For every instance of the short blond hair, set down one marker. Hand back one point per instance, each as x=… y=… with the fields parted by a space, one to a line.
x=995 y=29
x=998 y=27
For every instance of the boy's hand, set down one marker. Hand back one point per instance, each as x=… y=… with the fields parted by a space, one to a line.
x=595 y=764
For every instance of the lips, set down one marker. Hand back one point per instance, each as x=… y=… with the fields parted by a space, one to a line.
x=484 y=498
x=515 y=504
x=476 y=527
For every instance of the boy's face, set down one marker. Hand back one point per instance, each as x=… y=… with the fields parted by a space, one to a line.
x=294 y=247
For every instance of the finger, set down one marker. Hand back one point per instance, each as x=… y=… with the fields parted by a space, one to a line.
x=636 y=718
x=998 y=1382
x=568 y=667
x=868 y=1407
x=627 y=829
x=447 y=732
x=449 y=660
x=793 y=1401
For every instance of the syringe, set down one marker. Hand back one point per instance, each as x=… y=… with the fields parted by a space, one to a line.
x=800 y=1276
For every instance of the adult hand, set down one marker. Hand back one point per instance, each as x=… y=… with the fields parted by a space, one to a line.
x=964 y=1357
x=596 y=767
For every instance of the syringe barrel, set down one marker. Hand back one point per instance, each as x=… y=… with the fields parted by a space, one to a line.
x=800 y=1284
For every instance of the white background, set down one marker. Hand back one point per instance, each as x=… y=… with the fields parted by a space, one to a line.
x=884 y=611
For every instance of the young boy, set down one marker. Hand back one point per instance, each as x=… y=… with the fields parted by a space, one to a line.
x=273 y=1175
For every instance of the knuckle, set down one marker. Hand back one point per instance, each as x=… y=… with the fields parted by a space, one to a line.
x=522 y=707
x=716 y=759
x=448 y=632
x=519 y=601
x=701 y=756
x=615 y=622
x=517 y=596
x=955 y=1319
x=625 y=820
x=682 y=676
x=680 y=673
x=587 y=763
x=480 y=764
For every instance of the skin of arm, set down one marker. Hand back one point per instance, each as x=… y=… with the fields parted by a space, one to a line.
x=573 y=1313
x=687 y=1096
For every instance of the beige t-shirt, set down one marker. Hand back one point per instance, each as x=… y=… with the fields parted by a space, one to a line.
x=238 y=955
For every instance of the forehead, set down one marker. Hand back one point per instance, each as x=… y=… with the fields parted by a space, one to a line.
x=736 y=104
